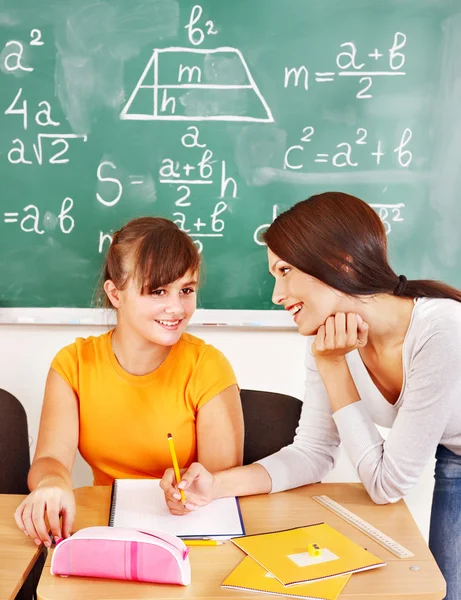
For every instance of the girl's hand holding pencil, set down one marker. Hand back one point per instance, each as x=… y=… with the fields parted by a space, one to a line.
x=196 y=483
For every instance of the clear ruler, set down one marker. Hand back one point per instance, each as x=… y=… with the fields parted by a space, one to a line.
x=365 y=527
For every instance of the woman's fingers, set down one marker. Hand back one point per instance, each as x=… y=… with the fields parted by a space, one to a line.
x=52 y=513
x=340 y=330
x=320 y=339
x=40 y=512
x=197 y=484
x=168 y=482
x=29 y=523
x=18 y=517
x=171 y=492
x=177 y=508
x=351 y=326
x=38 y=517
x=341 y=333
x=189 y=476
x=330 y=333
x=173 y=496
x=68 y=516
x=362 y=331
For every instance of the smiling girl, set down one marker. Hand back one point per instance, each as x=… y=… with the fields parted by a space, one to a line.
x=383 y=350
x=115 y=397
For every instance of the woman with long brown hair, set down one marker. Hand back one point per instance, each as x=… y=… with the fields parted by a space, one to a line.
x=383 y=350
x=115 y=397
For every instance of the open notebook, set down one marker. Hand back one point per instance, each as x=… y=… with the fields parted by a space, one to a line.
x=140 y=504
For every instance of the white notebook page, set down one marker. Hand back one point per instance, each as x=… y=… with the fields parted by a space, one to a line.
x=140 y=504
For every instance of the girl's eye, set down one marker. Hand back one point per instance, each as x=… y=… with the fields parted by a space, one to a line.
x=188 y=291
x=158 y=292
x=284 y=270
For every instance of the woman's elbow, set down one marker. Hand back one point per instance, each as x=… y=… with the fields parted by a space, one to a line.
x=380 y=495
x=379 y=499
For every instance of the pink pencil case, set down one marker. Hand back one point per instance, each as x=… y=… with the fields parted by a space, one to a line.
x=119 y=553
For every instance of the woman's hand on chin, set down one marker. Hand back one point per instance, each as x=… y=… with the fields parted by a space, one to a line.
x=340 y=334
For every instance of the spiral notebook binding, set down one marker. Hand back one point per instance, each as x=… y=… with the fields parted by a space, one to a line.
x=113 y=502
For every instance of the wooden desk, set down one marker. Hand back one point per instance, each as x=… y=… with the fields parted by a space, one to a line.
x=18 y=553
x=210 y=566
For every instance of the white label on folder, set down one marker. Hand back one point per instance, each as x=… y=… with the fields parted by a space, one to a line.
x=304 y=559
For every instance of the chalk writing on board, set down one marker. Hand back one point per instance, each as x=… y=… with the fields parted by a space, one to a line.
x=40 y=115
x=110 y=187
x=57 y=142
x=262 y=228
x=29 y=222
x=199 y=168
x=389 y=213
x=346 y=62
x=117 y=194
x=297 y=156
x=17 y=154
x=13 y=60
x=57 y=138
x=36 y=38
x=153 y=100
x=12 y=56
x=217 y=84
x=195 y=31
x=213 y=222
x=404 y=155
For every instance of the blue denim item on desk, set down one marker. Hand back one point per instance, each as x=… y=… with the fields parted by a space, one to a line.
x=445 y=531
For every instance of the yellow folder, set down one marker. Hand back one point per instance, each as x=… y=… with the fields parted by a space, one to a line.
x=285 y=554
x=250 y=576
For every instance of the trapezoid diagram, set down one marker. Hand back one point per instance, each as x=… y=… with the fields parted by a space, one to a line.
x=192 y=84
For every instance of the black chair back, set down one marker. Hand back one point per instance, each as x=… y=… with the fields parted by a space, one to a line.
x=270 y=421
x=14 y=446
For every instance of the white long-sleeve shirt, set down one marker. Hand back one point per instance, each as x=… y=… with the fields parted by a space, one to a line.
x=427 y=413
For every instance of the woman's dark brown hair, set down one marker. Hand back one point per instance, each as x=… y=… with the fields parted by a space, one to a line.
x=341 y=241
x=150 y=250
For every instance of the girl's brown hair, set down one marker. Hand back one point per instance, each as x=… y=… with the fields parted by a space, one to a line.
x=341 y=241
x=150 y=250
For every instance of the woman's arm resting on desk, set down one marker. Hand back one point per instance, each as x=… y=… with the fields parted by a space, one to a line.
x=49 y=477
x=201 y=486
x=242 y=481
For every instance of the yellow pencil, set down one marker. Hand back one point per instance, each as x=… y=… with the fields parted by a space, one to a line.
x=176 y=466
x=202 y=542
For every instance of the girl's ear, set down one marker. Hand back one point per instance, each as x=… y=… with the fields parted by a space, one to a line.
x=112 y=293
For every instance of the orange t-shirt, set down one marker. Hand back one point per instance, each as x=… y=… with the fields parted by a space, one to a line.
x=125 y=419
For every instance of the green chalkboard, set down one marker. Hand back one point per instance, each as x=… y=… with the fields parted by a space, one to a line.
x=219 y=115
